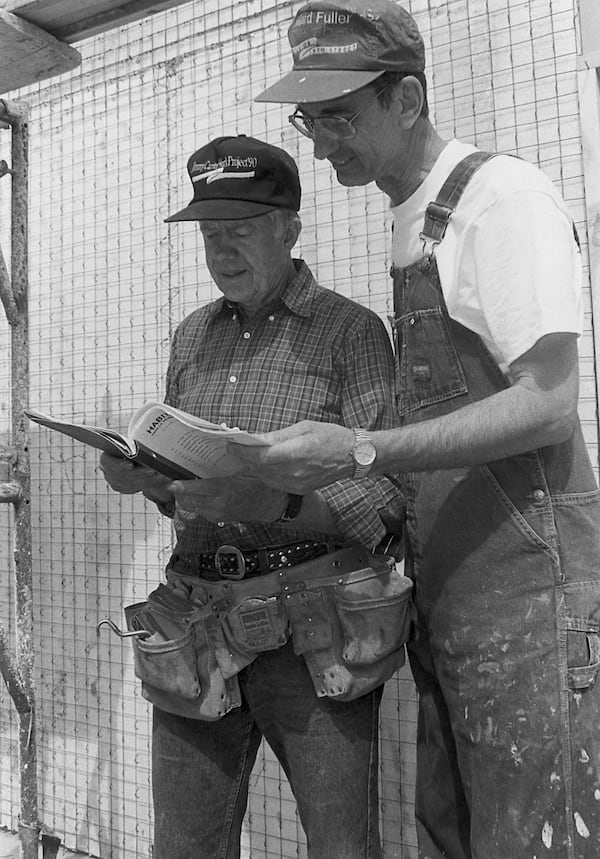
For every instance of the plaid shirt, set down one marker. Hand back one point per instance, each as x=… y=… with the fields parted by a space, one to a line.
x=311 y=354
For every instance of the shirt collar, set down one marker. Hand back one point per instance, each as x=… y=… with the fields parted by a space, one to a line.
x=300 y=292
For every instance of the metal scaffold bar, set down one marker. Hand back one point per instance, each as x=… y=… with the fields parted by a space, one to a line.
x=18 y=671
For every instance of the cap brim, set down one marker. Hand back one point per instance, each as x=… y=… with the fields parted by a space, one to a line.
x=313 y=85
x=220 y=210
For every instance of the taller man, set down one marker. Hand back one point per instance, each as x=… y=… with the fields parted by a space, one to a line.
x=503 y=517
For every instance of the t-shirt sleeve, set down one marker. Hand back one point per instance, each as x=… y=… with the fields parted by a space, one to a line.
x=525 y=265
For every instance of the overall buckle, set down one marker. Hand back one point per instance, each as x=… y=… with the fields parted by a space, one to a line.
x=240 y=570
x=428 y=245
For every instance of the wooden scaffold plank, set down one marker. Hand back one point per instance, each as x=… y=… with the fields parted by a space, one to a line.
x=29 y=54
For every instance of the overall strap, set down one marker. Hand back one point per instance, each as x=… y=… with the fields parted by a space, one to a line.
x=438 y=213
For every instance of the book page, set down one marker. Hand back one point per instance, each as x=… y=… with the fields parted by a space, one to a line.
x=203 y=449
x=101 y=438
x=151 y=414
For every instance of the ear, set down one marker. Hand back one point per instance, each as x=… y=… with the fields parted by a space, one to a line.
x=409 y=95
x=294 y=228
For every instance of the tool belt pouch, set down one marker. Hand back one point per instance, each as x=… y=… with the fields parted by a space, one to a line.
x=176 y=662
x=242 y=618
x=351 y=628
x=254 y=625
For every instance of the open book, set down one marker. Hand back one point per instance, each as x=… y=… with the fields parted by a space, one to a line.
x=172 y=442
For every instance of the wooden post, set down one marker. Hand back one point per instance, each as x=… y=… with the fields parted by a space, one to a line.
x=18 y=671
x=589 y=101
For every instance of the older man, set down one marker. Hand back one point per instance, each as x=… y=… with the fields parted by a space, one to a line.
x=276 y=348
x=503 y=516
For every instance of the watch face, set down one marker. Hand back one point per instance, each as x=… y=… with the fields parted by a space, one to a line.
x=364 y=453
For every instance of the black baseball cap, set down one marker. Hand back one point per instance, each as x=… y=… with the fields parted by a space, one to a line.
x=341 y=46
x=240 y=177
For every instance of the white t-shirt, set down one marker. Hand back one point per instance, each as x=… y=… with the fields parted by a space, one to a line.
x=509 y=265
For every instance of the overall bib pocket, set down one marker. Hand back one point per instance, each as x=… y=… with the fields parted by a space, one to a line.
x=428 y=368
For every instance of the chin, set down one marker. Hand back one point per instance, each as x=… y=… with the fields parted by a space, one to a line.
x=349 y=179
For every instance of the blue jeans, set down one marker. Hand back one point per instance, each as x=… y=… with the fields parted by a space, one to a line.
x=328 y=749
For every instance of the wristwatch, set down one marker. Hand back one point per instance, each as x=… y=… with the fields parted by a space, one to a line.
x=363 y=453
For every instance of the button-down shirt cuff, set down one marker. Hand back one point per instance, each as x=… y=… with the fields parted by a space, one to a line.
x=355 y=505
x=167 y=508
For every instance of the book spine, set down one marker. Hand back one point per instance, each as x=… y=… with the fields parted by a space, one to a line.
x=159 y=463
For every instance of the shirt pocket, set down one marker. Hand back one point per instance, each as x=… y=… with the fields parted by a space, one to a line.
x=428 y=369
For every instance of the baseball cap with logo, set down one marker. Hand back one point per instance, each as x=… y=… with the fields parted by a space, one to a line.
x=342 y=45
x=240 y=177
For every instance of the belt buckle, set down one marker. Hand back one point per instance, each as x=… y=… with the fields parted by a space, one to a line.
x=240 y=572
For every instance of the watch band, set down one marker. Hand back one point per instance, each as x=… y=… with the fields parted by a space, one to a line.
x=363 y=453
x=293 y=508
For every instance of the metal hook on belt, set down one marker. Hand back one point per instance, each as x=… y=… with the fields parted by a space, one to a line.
x=136 y=633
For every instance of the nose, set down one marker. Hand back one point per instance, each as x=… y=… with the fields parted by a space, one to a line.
x=224 y=248
x=324 y=144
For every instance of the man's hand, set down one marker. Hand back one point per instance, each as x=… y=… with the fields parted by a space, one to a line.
x=303 y=457
x=128 y=478
x=229 y=499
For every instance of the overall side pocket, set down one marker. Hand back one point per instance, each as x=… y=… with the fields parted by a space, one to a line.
x=581 y=626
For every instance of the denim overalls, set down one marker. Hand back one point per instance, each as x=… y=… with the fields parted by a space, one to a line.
x=506 y=563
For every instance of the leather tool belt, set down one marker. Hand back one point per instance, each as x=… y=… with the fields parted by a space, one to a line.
x=348 y=614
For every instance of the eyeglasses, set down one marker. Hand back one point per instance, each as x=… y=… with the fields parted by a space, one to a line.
x=334 y=126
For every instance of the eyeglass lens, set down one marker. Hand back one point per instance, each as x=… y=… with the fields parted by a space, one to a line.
x=336 y=126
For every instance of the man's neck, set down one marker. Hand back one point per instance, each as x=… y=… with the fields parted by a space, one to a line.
x=417 y=160
x=279 y=287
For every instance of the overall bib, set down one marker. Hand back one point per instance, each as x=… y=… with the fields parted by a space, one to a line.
x=505 y=559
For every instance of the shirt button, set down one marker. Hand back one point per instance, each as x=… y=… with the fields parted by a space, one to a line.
x=271 y=318
x=221 y=524
x=233 y=378
x=538 y=494
x=247 y=335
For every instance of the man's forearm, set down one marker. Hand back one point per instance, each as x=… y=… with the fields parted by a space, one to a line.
x=510 y=422
x=539 y=409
